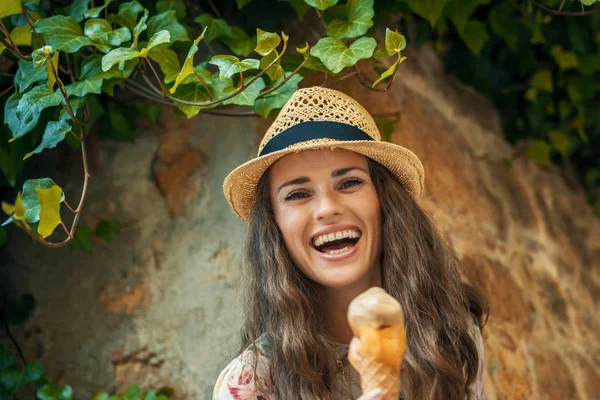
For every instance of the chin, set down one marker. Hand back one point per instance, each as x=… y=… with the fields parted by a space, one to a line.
x=342 y=277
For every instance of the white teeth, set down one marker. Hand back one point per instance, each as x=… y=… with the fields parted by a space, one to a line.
x=329 y=237
x=340 y=251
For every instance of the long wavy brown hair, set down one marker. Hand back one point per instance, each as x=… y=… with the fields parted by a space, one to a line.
x=418 y=269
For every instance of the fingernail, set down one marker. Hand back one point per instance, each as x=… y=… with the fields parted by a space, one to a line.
x=375 y=393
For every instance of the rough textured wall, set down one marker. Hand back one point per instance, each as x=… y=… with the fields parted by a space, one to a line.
x=160 y=306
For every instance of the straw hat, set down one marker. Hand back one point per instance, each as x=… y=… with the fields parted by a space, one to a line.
x=317 y=118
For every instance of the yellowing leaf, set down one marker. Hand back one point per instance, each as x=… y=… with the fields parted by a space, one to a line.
x=542 y=80
x=564 y=58
x=19 y=208
x=389 y=71
x=21 y=35
x=394 y=42
x=188 y=67
x=50 y=209
x=266 y=42
x=9 y=7
x=52 y=65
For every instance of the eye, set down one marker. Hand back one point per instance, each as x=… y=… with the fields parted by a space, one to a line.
x=350 y=182
x=296 y=196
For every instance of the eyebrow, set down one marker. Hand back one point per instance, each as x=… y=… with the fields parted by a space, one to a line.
x=304 y=179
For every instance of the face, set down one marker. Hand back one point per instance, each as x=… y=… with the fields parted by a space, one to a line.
x=327 y=208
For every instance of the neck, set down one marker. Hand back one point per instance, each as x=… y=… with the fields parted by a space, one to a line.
x=336 y=301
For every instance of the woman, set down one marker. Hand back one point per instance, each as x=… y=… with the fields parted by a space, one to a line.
x=333 y=211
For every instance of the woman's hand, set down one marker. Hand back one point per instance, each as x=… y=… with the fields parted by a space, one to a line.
x=373 y=394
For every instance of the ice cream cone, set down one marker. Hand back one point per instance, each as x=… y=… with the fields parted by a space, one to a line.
x=379 y=342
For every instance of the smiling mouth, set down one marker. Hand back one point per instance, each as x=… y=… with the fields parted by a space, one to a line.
x=337 y=246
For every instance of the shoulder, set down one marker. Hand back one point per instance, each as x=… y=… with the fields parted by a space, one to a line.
x=477 y=387
x=239 y=381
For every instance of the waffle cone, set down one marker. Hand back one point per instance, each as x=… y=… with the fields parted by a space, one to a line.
x=375 y=374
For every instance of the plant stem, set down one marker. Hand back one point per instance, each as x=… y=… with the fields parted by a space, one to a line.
x=203 y=83
x=393 y=78
x=29 y=19
x=360 y=79
x=565 y=13
x=162 y=88
x=266 y=92
x=212 y=102
x=13 y=340
x=8 y=89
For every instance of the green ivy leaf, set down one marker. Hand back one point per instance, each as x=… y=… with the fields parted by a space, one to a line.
x=539 y=151
x=474 y=36
x=266 y=42
x=542 y=80
x=128 y=12
x=357 y=18
x=28 y=74
x=133 y=393
x=12 y=377
x=336 y=56
x=458 y=12
x=6 y=359
x=27 y=113
x=103 y=36
x=589 y=64
x=230 y=65
x=120 y=125
x=389 y=71
x=77 y=9
x=168 y=21
x=247 y=97
x=215 y=28
x=61 y=33
x=139 y=28
x=394 y=42
x=53 y=134
x=167 y=60
x=239 y=42
x=187 y=67
x=277 y=99
x=95 y=11
x=300 y=7
x=321 y=4
x=150 y=111
x=108 y=229
x=82 y=240
x=51 y=391
x=177 y=5
x=100 y=396
x=564 y=58
x=560 y=141
x=431 y=10
x=11 y=155
x=505 y=24
x=10 y=7
x=193 y=92
x=588 y=2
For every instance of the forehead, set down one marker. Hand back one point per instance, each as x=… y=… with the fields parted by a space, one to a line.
x=315 y=161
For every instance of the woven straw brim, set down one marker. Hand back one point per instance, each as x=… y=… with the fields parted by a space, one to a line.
x=241 y=184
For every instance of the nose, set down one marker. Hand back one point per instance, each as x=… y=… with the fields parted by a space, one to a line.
x=328 y=206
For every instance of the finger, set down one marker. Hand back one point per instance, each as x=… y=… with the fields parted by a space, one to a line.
x=373 y=394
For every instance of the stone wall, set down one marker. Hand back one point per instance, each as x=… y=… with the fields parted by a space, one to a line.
x=160 y=306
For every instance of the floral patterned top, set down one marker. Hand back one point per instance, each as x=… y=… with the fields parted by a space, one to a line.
x=238 y=381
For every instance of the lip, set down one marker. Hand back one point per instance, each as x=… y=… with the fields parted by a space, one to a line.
x=338 y=257
x=333 y=228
